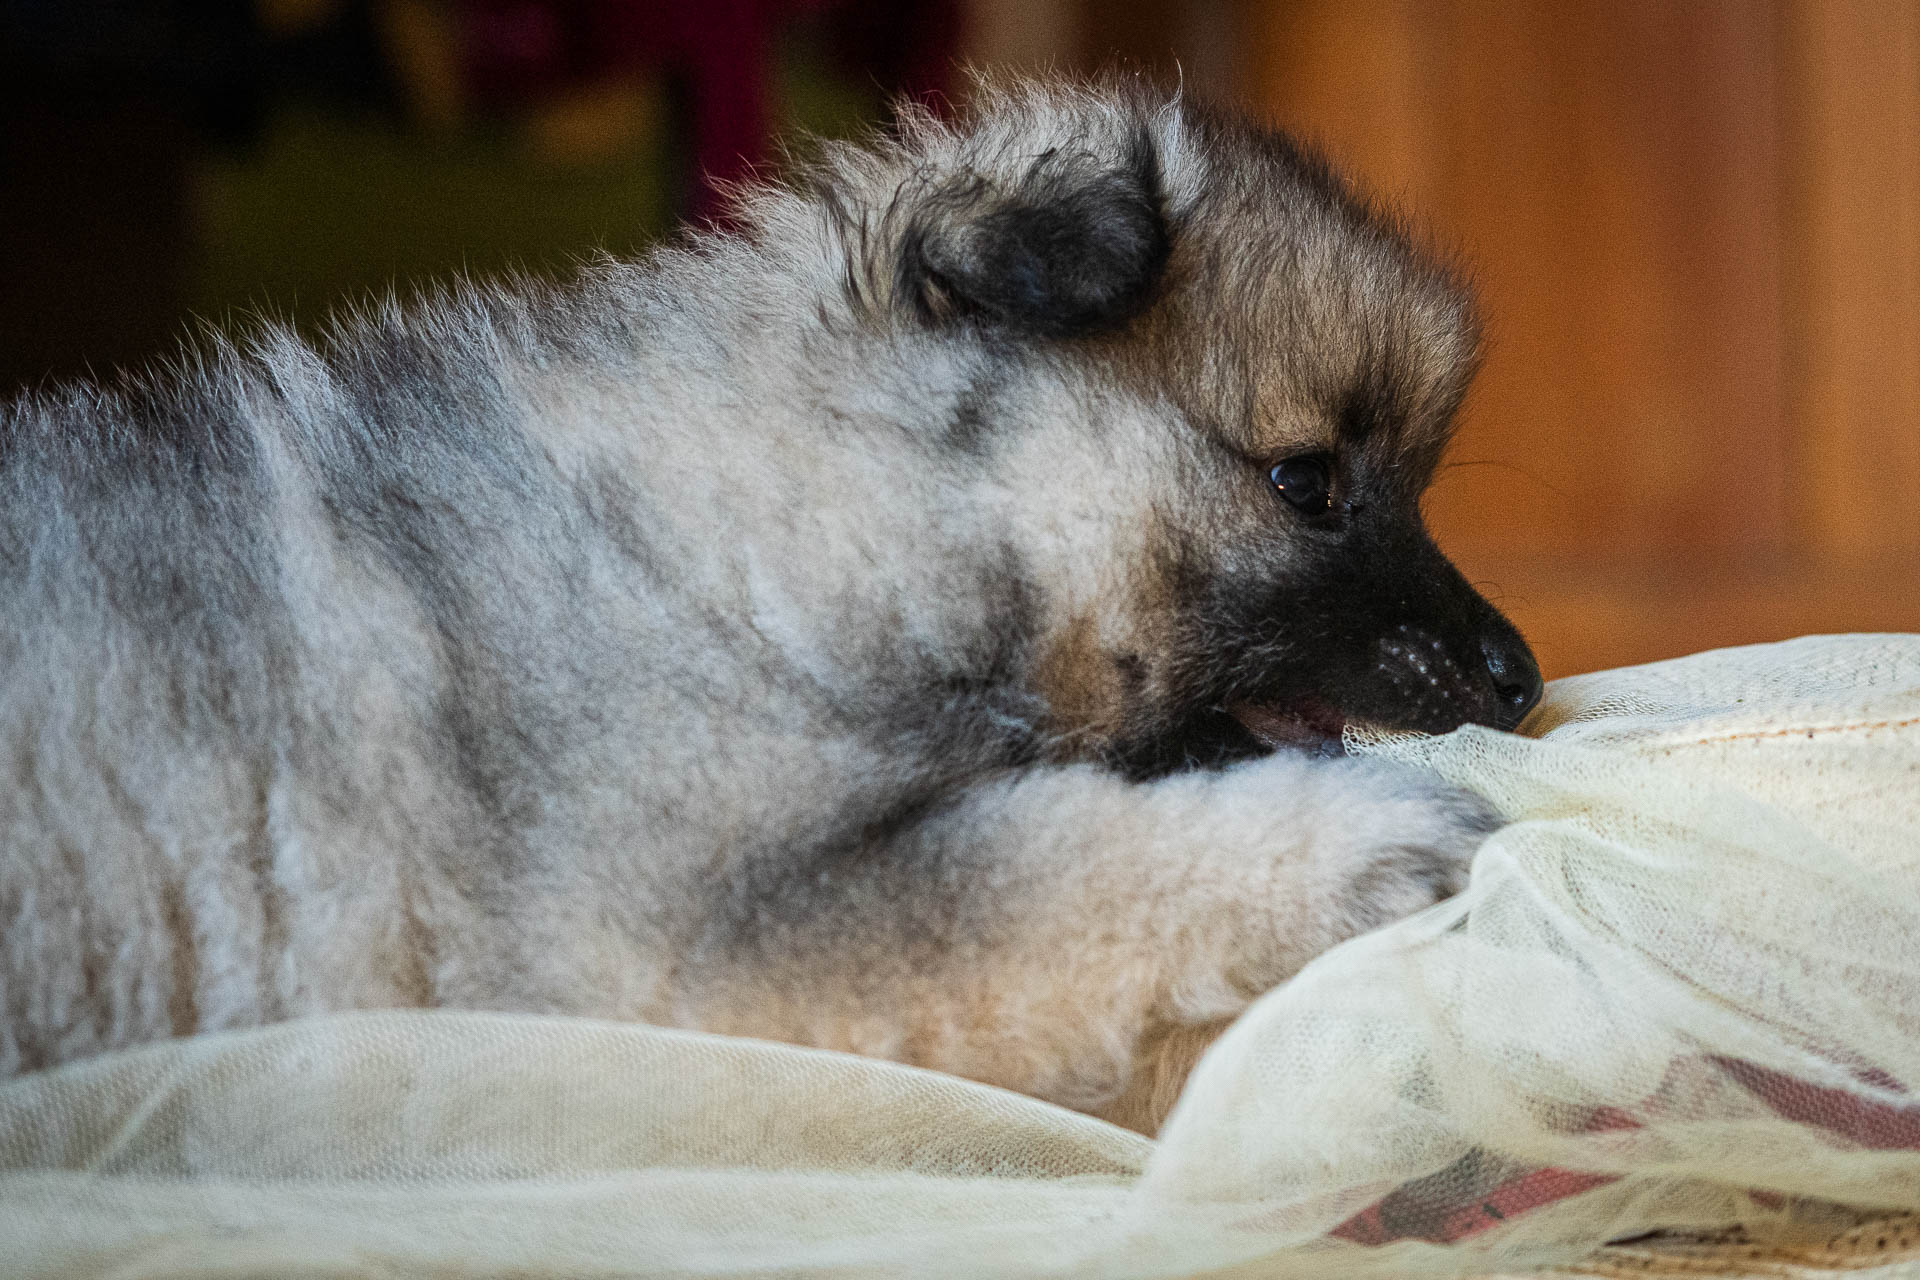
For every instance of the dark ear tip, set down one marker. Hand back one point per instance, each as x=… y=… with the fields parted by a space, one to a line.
x=1082 y=264
x=1072 y=251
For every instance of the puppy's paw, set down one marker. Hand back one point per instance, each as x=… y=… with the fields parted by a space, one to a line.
x=1403 y=842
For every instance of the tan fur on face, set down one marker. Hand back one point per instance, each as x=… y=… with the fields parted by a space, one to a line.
x=1109 y=658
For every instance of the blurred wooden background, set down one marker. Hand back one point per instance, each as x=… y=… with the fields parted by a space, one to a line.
x=1696 y=230
x=1695 y=225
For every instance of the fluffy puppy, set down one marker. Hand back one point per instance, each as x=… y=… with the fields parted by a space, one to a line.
x=872 y=629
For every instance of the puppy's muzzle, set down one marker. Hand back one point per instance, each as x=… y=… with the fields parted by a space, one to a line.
x=1417 y=682
x=1436 y=691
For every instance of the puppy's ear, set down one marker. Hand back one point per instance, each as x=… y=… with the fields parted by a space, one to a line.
x=1072 y=245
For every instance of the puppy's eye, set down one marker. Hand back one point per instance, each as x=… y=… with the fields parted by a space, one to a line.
x=1305 y=482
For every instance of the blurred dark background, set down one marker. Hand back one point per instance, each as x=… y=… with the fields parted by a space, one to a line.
x=166 y=160
x=1696 y=227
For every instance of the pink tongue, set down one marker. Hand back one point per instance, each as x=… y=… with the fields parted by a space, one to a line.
x=1306 y=723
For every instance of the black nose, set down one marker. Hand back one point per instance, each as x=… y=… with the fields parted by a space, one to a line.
x=1516 y=677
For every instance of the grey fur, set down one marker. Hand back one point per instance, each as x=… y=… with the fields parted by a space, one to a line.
x=811 y=633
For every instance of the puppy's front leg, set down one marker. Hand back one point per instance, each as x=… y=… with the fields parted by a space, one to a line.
x=1071 y=935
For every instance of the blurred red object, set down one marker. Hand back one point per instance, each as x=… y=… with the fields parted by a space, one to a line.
x=1481 y=1190
x=718 y=53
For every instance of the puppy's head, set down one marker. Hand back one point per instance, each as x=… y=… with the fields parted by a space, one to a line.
x=1215 y=386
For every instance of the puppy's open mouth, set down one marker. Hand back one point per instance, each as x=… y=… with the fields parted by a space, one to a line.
x=1301 y=724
